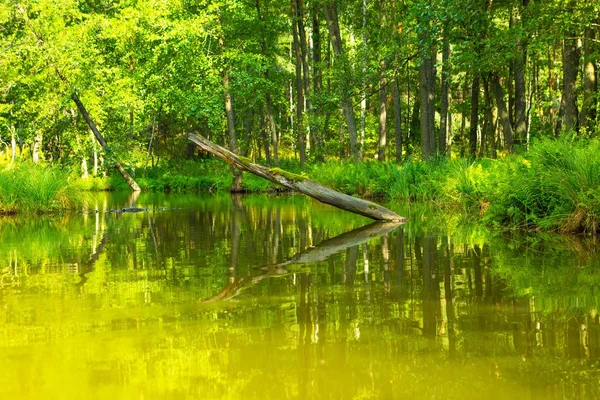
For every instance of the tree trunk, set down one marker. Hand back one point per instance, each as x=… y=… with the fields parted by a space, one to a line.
x=300 y=184
x=300 y=15
x=519 y=65
x=236 y=184
x=493 y=140
x=268 y=103
x=84 y=168
x=331 y=15
x=37 y=144
x=13 y=144
x=474 y=122
x=382 y=113
x=317 y=135
x=264 y=139
x=502 y=111
x=95 y=155
x=590 y=81
x=299 y=87
x=130 y=181
x=247 y=139
x=427 y=92
x=397 y=118
x=487 y=130
x=363 y=92
x=568 y=104
x=443 y=137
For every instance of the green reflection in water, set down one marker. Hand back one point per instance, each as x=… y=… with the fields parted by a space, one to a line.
x=280 y=297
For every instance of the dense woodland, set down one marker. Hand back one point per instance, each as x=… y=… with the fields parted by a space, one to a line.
x=310 y=80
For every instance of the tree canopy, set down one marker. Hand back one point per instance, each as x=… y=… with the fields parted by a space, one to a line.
x=309 y=79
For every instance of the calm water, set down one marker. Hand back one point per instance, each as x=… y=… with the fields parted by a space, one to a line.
x=284 y=298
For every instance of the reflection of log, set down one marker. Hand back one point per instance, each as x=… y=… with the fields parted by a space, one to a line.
x=300 y=184
x=340 y=243
x=319 y=253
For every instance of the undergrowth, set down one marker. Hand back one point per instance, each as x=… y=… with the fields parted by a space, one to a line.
x=555 y=186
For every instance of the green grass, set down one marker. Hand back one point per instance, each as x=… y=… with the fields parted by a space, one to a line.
x=31 y=188
x=555 y=186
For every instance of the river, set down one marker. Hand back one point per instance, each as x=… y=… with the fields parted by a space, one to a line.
x=281 y=297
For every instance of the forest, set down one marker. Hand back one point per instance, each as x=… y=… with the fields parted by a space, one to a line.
x=135 y=263
x=413 y=90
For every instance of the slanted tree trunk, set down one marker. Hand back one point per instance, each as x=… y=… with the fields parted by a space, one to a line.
x=130 y=181
x=502 y=111
x=300 y=184
x=331 y=15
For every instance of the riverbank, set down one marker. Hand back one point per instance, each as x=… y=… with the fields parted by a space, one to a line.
x=555 y=186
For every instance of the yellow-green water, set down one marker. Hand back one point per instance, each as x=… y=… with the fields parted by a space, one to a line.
x=283 y=298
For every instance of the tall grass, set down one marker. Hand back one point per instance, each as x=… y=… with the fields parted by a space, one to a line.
x=555 y=187
x=27 y=187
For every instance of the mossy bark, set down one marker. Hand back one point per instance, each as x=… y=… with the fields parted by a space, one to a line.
x=300 y=184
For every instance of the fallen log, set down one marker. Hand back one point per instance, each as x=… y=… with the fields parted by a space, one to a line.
x=312 y=255
x=299 y=183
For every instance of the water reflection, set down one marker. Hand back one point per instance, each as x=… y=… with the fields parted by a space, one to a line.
x=280 y=297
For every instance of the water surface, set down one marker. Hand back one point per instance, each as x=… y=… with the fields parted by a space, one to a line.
x=280 y=297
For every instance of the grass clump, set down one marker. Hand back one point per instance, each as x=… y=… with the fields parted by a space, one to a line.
x=28 y=187
x=556 y=186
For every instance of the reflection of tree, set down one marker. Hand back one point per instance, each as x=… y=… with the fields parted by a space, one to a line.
x=312 y=255
x=89 y=265
x=430 y=286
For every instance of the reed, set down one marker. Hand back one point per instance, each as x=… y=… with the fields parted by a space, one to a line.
x=30 y=188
